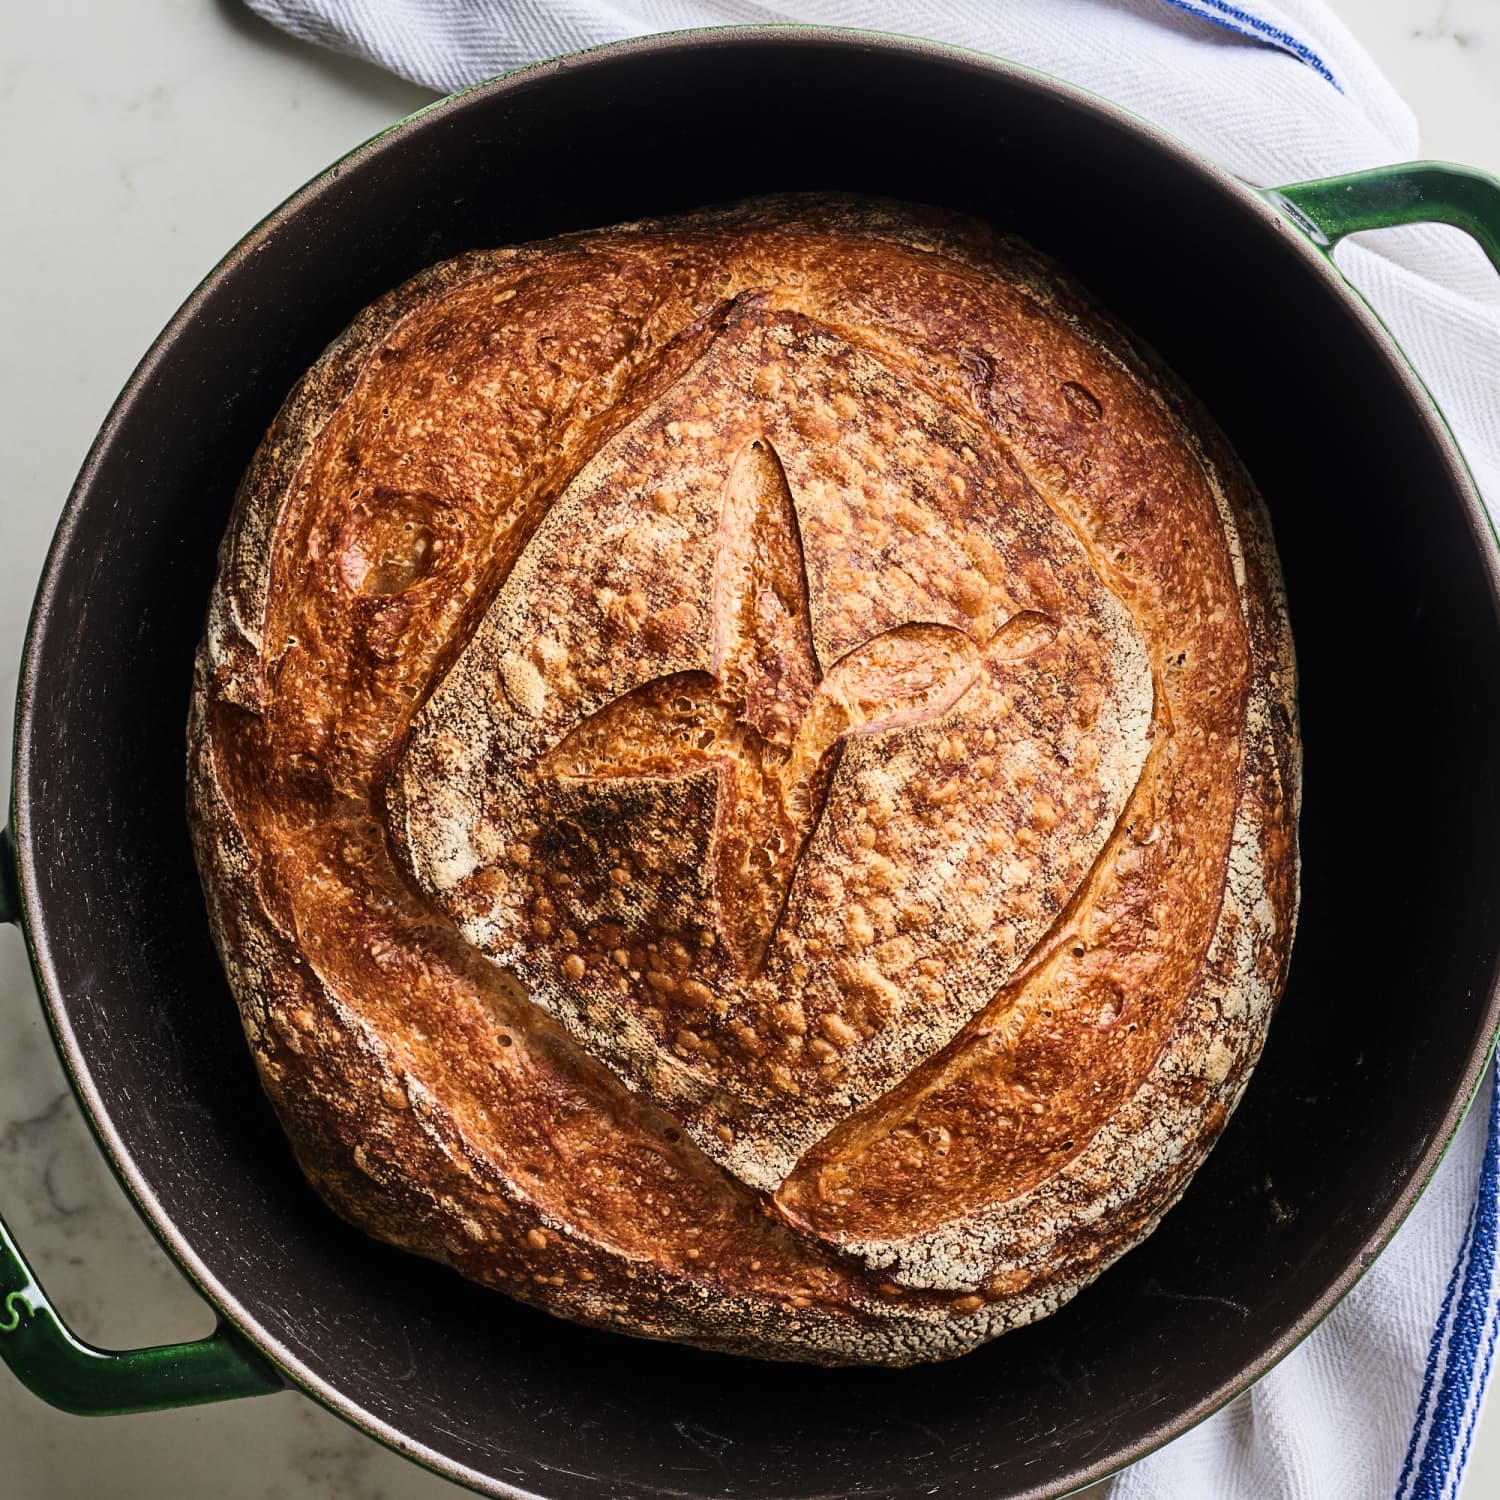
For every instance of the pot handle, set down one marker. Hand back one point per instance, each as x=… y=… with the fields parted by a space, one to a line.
x=45 y=1354
x=1415 y=192
x=10 y=880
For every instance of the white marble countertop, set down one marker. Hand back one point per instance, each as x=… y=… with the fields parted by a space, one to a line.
x=159 y=132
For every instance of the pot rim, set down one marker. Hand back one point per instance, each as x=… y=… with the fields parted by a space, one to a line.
x=1318 y=261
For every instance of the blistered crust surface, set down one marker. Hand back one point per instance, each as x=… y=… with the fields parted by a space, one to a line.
x=995 y=797
x=745 y=773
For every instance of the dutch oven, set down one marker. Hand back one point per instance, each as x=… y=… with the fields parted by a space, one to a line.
x=1391 y=1008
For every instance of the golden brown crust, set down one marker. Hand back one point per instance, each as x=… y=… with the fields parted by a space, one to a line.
x=745 y=772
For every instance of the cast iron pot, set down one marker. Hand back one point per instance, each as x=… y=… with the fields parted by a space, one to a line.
x=1391 y=1008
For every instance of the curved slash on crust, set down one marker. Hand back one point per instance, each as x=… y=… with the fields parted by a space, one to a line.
x=767 y=718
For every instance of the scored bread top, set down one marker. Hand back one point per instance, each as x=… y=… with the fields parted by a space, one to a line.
x=759 y=785
x=745 y=774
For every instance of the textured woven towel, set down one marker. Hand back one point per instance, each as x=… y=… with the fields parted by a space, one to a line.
x=1382 y=1399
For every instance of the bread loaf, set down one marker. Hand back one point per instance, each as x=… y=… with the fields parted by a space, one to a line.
x=745 y=774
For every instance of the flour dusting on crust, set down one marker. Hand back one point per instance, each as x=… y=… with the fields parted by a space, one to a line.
x=745 y=771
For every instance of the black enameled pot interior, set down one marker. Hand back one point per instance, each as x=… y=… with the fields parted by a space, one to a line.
x=1384 y=1020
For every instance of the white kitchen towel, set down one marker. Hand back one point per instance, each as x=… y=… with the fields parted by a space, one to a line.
x=1382 y=1399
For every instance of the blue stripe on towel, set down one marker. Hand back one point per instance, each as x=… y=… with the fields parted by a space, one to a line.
x=1464 y=1375
x=1243 y=23
x=1434 y=1356
x=1476 y=1405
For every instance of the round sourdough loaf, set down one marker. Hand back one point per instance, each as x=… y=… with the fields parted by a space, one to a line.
x=745 y=773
